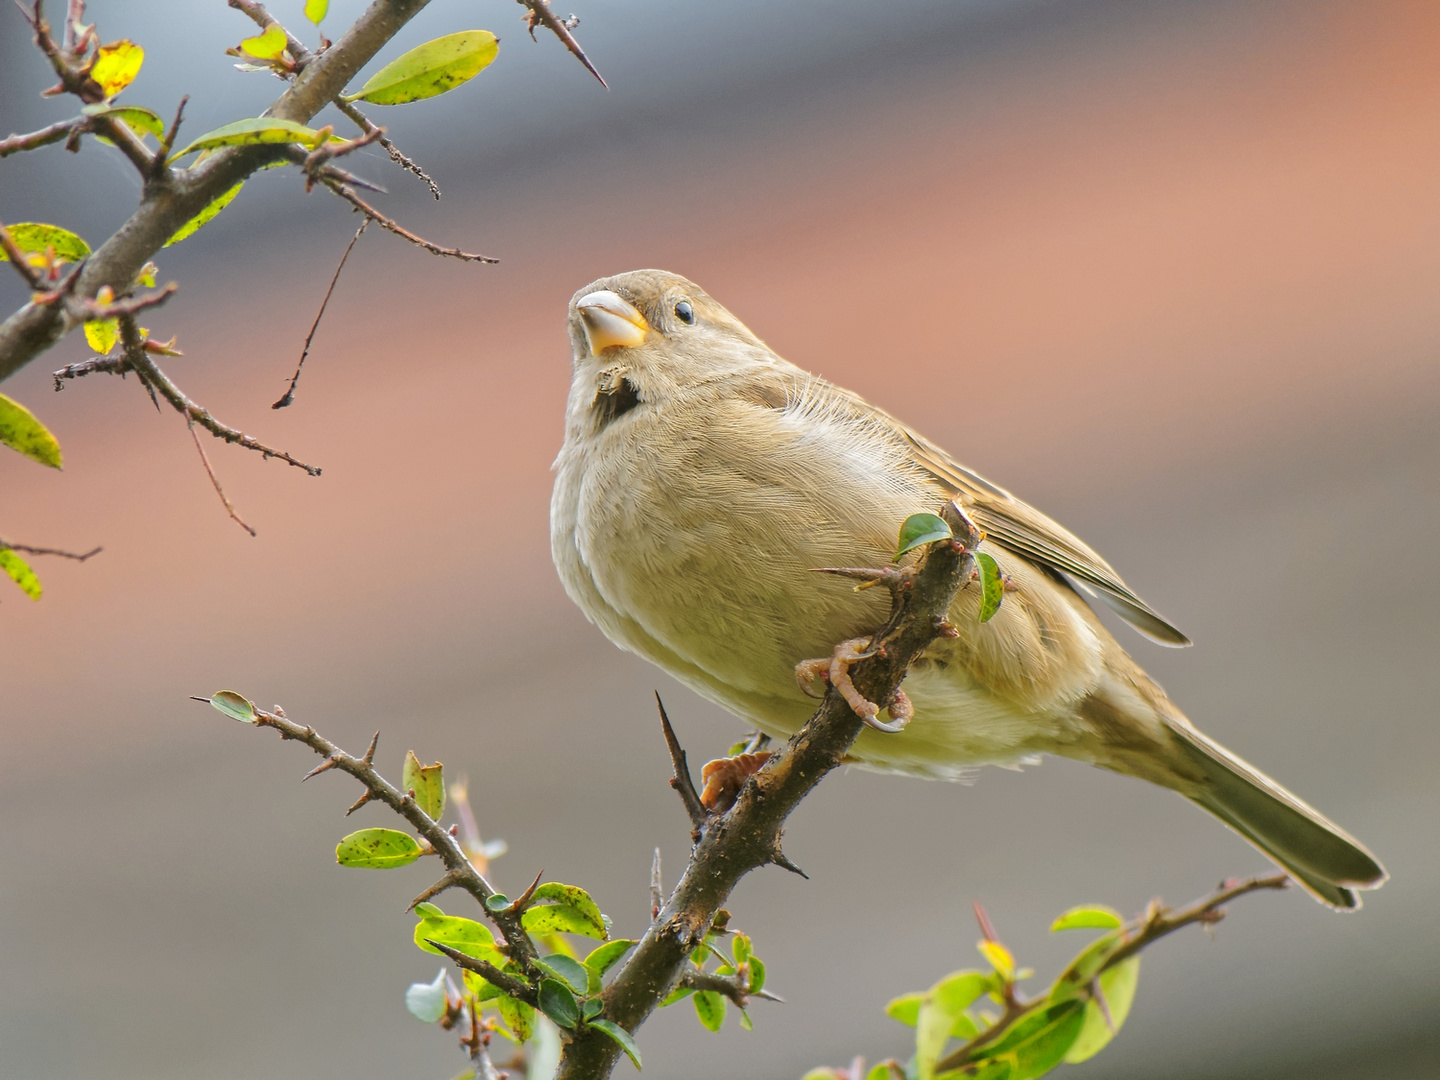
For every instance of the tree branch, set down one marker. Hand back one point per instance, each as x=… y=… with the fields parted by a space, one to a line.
x=459 y=869
x=539 y=14
x=7 y=545
x=139 y=361
x=748 y=835
x=176 y=196
x=54 y=133
x=1149 y=928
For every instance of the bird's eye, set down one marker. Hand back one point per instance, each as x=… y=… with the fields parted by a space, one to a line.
x=685 y=313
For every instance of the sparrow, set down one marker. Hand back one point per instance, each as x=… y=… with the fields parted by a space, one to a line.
x=703 y=478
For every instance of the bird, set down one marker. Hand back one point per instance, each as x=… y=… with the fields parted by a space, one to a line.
x=702 y=478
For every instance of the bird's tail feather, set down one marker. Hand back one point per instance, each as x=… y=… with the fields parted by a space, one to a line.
x=1327 y=861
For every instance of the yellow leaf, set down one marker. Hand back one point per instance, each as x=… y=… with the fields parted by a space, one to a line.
x=20 y=573
x=999 y=957
x=20 y=430
x=116 y=66
x=216 y=205
x=101 y=334
x=36 y=236
x=315 y=10
x=266 y=46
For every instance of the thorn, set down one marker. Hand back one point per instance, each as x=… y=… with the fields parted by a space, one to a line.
x=448 y=881
x=324 y=766
x=657 y=888
x=518 y=904
x=780 y=859
x=194 y=697
x=369 y=758
x=361 y=801
x=986 y=930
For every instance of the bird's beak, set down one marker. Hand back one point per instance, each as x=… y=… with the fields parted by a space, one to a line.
x=610 y=320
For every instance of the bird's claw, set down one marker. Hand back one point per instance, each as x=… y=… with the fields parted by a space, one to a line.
x=835 y=670
x=723 y=778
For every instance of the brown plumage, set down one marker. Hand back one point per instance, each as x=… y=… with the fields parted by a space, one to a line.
x=703 y=476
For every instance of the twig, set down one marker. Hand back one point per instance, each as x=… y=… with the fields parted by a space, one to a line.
x=364 y=124
x=167 y=141
x=54 y=133
x=732 y=986
x=146 y=368
x=290 y=391
x=459 y=868
x=109 y=365
x=517 y=988
x=682 y=783
x=7 y=545
x=1150 y=927
x=539 y=14
x=205 y=460
x=657 y=888
x=344 y=191
x=747 y=836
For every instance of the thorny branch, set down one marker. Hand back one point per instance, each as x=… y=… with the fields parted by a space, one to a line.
x=460 y=872
x=1150 y=927
x=539 y=14
x=138 y=361
x=172 y=196
x=391 y=225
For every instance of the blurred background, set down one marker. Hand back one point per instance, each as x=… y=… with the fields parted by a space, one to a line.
x=1167 y=270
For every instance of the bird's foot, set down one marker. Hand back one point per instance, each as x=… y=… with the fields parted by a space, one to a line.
x=835 y=669
x=723 y=778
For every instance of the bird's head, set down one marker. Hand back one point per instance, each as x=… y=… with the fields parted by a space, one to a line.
x=649 y=335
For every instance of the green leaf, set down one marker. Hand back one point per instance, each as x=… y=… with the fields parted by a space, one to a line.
x=430 y=69
x=621 y=1036
x=880 y=1071
x=236 y=706
x=21 y=431
x=921 y=529
x=267 y=45
x=133 y=116
x=1078 y=973
x=253 y=131
x=566 y=970
x=19 y=572
x=205 y=216
x=36 y=236
x=426 y=782
x=497 y=902
x=101 y=334
x=998 y=956
x=462 y=935
x=1036 y=1044
x=377 y=849
x=992 y=586
x=559 y=1004
x=1093 y=916
x=573 y=912
x=905 y=1008
x=757 y=974
x=680 y=993
x=116 y=66
x=315 y=10
x=710 y=1008
x=1118 y=987
x=426 y=1001
x=518 y=1017
x=479 y=986
x=959 y=991
x=605 y=956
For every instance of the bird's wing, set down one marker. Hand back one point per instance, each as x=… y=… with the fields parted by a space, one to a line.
x=1024 y=530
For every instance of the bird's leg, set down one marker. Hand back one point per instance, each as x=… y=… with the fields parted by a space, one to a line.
x=835 y=669
x=723 y=778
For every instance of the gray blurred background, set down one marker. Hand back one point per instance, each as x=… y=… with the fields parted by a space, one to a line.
x=1169 y=271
